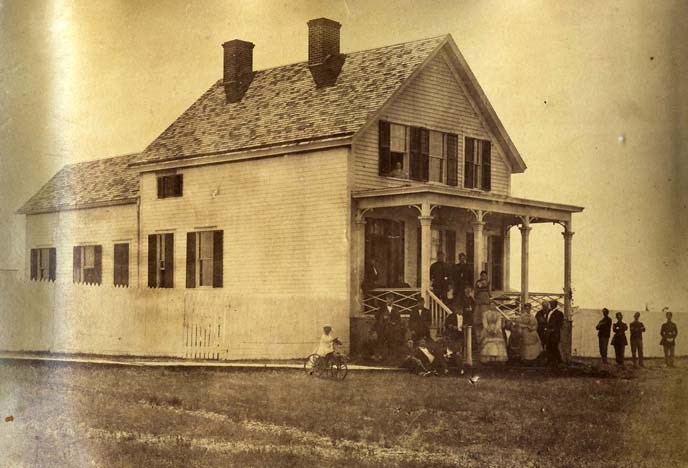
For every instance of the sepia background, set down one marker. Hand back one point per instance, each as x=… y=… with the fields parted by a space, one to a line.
x=593 y=94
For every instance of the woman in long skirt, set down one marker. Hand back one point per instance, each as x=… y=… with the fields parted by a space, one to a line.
x=530 y=341
x=482 y=303
x=493 y=347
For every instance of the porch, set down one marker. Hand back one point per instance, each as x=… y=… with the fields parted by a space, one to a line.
x=399 y=232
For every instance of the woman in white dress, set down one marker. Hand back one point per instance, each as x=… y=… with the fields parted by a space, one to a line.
x=492 y=346
x=530 y=341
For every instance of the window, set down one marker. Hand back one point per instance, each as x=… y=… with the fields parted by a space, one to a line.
x=170 y=185
x=417 y=153
x=43 y=264
x=161 y=261
x=478 y=164
x=88 y=264
x=121 y=265
x=204 y=259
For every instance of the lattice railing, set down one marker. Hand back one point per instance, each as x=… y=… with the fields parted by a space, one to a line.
x=510 y=302
x=404 y=299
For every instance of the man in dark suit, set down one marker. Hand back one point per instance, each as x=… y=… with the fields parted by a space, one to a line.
x=555 y=320
x=388 y=327
x=419 y=321
x=604 y=330
x=440 y=276
x=453 y=333
x=541 y=317
x=669 y=333
x=462 y=276
x=430 y=358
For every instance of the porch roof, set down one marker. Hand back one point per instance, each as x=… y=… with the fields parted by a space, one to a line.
x=438 y=195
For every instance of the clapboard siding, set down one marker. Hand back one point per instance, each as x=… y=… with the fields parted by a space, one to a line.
x=63 y=230
x=434 y=99
x=284 y=220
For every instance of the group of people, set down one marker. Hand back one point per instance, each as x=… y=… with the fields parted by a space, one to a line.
x=605 y=328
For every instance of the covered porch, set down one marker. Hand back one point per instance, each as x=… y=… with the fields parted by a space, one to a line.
x=398 y=233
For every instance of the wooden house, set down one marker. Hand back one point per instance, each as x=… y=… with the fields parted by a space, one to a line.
x=278 y=187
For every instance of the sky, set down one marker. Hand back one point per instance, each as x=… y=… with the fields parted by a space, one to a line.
x=593 y=94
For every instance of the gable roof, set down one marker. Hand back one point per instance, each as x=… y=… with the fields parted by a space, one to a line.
x=282 y=105
x=87 y=184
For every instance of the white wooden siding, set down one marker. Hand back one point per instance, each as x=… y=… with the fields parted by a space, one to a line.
x=284 y=219
x=434 y=100
x=63 y=230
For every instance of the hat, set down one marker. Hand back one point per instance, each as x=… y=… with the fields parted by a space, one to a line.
x=327 y=325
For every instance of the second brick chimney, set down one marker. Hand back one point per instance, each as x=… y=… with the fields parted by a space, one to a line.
x=238 y=69
x=324 y=60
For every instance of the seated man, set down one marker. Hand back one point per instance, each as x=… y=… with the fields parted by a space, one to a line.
x=430 y=359
x=326 y=346
x=411 y=362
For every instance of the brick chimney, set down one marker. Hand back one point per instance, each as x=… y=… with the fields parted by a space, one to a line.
x=324 y=60
x=238 y=69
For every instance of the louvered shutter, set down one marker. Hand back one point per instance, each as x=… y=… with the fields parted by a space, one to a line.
x=152 y=260
x=190 y=259
x=77 y=265
x=179 y=185
x=160 y=187
x=169 y=261
x=98 y=264
x=424 y=154
x=385 y=157
x=34 y=264
x=415 y=158
x=52 y=264
x=217 y=258
x=469 y=173
x=452 y=159
x=487 y=166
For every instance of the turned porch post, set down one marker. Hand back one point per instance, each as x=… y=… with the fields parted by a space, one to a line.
x=525 y=251
x=425 y=219
x=568 y=293
x=478 y=227
x=359 y=271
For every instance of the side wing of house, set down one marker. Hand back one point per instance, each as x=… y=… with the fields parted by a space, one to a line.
x=435 y=99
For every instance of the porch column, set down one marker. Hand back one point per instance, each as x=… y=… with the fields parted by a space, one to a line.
x=568 y=292
x=525 y=233
x=506 y=251
x=359 y=261
x=425 y=219
x=478 y=259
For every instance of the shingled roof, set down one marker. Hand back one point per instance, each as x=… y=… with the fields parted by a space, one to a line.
x=87 y=184
x=283 y=105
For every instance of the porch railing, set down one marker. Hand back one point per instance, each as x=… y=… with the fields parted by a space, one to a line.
x=438 y=312
x=510 y=302
x=404 y=299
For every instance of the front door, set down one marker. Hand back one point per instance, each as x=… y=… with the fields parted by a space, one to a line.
x=384 y=242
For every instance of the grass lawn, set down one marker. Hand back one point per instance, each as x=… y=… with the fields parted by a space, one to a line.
x=87 y=415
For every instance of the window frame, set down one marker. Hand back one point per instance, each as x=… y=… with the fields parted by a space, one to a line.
x=478 y=164
x=196 y=259
x=170 y=185
x=36 y=257
x=85 y=273
x=442 y=158
x=120 y=270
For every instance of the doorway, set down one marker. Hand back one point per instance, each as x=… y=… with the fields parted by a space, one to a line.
x=384 y=242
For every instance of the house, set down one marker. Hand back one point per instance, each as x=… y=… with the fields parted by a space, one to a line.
x=270 y=196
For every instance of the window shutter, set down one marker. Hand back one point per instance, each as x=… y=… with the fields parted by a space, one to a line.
x=217 y=259
x=77 y=264
x=190 y=259
x=179 y=179
x=152 y=260
x=469 y=173
x=452 y=159
x=98 y=263
x=487 y=166
x=160 y=188
x=169 y=261
x=385 y=157
x=34 y=264
x=424 y=154
x=415 y=160
x=52 y=264
x=124 y=262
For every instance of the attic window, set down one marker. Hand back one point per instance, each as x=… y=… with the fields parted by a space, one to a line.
x=478 y=161
x=170 y=185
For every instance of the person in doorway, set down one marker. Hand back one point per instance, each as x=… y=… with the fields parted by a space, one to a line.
x=440 y=277
x=637 y=330
x=619 y=341
x=482 y=302
x=669 y=333
x=462 y=276
x=371 y=279
x=555 y=320
x=604 y=331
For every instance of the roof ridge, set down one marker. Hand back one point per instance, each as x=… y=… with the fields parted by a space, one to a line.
x=106 y=158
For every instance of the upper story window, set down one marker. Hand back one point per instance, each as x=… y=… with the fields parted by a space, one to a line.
x=204 y=259
x=161 y=260
x=417 y=153
x=478 y=164
x=88 y=264
x=171 y=185
x=43 y=264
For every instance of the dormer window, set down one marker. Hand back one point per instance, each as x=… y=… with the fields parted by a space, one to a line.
x=478 y=164
x=171 y=185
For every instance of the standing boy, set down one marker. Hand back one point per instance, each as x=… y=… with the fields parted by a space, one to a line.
x=637 y=330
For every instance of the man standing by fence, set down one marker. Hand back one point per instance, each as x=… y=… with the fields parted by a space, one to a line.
x=669 y=333
x=637 y=330
x=604 y=330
